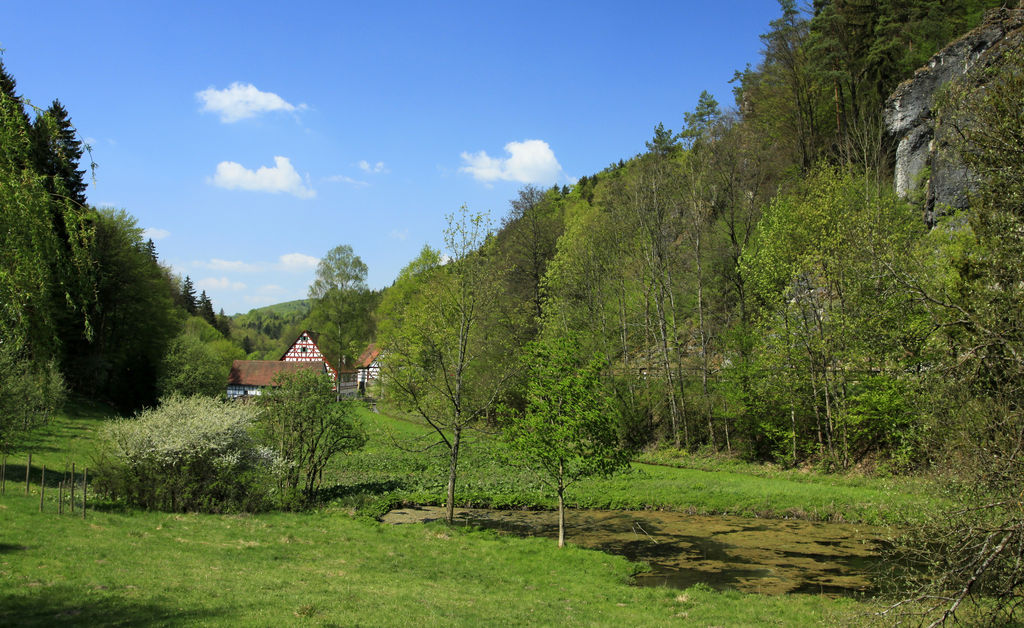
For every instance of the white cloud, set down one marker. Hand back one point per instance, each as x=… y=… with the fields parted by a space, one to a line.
x=221 y=283
x=530 y=161
x=281 y=178
x=298 y=261
x=340 y=178
x=399 y=235
x=152 y=233
x=289 y=262
x=230 y=265
x=240 y=101
x=377 y=168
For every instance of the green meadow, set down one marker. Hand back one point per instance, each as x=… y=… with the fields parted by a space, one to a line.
x=337 y=566
x=399 y=466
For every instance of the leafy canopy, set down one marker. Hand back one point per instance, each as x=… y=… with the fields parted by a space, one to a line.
x=568 y=430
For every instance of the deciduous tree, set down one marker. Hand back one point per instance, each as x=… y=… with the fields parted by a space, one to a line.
x=568 y=430
x=302 y=421
x=973 y=555
x=445 y=359
x=343 y=304
x=29 y=394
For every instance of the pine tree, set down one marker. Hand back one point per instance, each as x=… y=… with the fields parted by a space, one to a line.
x=701 y=119
x=188 y=296
x=223 y=324
x=8 y=87
x=56 y=153
x=663 y=143
x=205 y=309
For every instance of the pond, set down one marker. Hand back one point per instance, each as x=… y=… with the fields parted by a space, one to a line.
x=768 y=556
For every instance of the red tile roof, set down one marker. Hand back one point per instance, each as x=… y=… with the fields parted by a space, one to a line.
x=368 y=356
x=262 y=372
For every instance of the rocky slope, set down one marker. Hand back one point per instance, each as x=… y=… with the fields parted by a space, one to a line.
x=924 y=163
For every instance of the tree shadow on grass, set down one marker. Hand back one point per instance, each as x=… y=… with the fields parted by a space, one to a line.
x=73 y=606
x=14 y=477
x=342 y=491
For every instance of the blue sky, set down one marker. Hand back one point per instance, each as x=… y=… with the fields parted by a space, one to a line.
x=249 y=138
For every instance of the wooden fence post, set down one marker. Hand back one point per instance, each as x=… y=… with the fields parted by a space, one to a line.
x=72 y=488
x=60 y=498
x=28 y=468
x=3 y=476
x=42 y=488
x=85 y=492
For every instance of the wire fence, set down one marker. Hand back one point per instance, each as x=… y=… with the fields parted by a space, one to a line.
x=69 y=489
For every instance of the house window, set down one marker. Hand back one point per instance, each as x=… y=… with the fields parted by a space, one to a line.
x=304 y=349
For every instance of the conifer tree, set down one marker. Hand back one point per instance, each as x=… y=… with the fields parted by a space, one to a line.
x=8 y=87
x=188 y=296
x=151 y=250
x=663 y=144
x=56 y=153
x=223 y=324
x=205 y=309
x=701 y=119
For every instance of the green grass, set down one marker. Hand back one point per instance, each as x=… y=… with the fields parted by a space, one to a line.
x=69 y=437
x=395 y=467
x=326 y=568
x=125 y=567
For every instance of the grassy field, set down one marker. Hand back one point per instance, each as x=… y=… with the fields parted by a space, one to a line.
x=334 y=567
x=398 y=466
x=327 y=568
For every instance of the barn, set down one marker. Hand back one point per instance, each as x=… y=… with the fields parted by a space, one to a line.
x=249 y=377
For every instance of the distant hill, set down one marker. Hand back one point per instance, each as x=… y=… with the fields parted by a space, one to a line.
x=288 y=309
x=264 y=332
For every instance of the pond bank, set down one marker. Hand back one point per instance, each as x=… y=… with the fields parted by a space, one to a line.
x=723 y=552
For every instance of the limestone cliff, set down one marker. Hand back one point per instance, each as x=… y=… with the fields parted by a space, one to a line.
x=923 y=160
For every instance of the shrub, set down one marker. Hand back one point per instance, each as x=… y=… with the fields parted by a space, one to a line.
x=303 y=419
x=189 y=454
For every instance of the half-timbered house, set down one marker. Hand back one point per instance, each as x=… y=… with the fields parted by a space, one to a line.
x=368 y=367
x=248 y=378
x=306 y=349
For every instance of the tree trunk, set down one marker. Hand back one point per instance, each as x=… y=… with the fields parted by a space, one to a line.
x=704 y=363
x=561 y=507
x=449 y=514
x=337 y=376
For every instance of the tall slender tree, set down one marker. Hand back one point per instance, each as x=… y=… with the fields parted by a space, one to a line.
x=446 y=359
x=205 y=309
x=342 y=305
x=188 y=296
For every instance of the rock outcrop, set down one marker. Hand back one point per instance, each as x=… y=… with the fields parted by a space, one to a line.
x=924 y=162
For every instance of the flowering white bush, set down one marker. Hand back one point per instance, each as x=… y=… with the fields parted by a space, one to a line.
x=190 y=453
